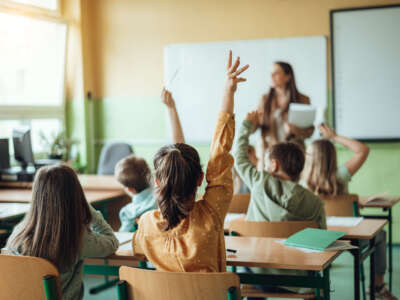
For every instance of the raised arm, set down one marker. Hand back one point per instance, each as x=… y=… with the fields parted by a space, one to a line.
x=243 y=165
x=360 y=150
x=177 y=132
x=219 y=189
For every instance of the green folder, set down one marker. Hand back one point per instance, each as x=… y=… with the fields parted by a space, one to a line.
x=312 y=238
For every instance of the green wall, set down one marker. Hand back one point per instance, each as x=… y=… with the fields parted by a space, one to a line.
x=143 y=123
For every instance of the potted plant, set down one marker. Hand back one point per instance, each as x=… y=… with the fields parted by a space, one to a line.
x=58 y=145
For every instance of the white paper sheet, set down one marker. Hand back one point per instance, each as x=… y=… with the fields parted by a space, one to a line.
x=233 y=216
x=301 y=115
x=343 y=221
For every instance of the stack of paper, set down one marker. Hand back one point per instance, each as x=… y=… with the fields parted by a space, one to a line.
x=343 y=221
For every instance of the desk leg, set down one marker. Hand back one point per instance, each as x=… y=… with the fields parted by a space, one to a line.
x=357 y=265
x=327 y=287
x=372 y=270
x=390 y=249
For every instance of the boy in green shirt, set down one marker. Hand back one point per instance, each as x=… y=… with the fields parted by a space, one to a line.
x=275 y=193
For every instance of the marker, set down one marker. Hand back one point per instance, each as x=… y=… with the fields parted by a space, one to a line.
x=231 y=250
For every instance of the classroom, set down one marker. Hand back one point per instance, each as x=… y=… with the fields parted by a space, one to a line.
x=199 y=149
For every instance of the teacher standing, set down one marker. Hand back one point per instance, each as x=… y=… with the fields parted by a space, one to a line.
x=273 y=111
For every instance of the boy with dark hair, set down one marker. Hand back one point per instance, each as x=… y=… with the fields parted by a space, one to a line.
x=275 y=193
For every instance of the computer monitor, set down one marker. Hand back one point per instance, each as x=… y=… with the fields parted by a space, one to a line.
x=4 y=154
x=23 y=147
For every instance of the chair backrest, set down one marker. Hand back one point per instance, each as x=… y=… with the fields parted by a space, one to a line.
x=340 y=206
x=110 y=155
x=281 y=229
x=21 y=277
x=149 y=285
x=239 y=203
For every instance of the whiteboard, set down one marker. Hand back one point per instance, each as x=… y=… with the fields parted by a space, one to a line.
x=198 y=72
x=366 y=72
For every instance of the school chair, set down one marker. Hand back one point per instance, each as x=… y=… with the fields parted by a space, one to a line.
x=110 y=155
x=26 y=277
x=239 y=203
x=344 y=206
x=139 y=284
x=341 y=206
x=282 y=229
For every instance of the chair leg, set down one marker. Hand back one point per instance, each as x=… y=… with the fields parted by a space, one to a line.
x=50 y=287
x=121 y=290
x=362 y=275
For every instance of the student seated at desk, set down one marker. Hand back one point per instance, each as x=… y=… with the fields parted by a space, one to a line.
x=135 y=175
x=185 y=235
x=62 y=228
x=275 y=193
x=323 y=177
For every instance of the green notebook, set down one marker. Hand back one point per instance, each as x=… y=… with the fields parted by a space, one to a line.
x=312 y=238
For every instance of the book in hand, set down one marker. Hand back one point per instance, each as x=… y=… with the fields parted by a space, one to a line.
x=318 y=239
x=380 y=199
x=301 y=115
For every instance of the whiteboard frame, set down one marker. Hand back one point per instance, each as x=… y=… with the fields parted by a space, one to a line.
x=332 y=47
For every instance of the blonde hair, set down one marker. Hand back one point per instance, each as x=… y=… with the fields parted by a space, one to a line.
x=321 y=169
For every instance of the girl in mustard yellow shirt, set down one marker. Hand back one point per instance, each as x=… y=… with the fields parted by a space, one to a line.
x=184 y=235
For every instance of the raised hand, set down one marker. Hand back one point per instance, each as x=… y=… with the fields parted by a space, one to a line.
x=233 y=72
x=327 y=132
x=253 y=118
x=166 y=98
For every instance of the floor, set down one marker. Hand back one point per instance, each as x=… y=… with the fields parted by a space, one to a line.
x=341 y=279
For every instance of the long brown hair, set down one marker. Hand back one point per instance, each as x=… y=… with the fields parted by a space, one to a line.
x=178 y=169
x=58 y=215
x=266 y=102
x=320 y=174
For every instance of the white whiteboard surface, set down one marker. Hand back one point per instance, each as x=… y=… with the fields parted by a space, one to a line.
x=366 y=53
x=198 y=85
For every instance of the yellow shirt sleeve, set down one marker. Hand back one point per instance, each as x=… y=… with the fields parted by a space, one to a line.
x=219 y=177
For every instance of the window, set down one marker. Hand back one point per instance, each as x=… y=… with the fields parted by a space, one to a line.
x=52 y=5
x=32 y=81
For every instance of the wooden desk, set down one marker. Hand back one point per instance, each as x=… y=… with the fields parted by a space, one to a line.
x=25 y=195
x=104 y=200
x=387 y=209
x=252 y=252
x=367 y=229
x=88 y=182
x=12 y=210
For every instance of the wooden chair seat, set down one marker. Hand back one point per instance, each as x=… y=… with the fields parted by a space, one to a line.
x=251 y=291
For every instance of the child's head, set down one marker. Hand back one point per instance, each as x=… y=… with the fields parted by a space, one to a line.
x=133 y=173
x=178 y=173
x=58 y=215
x=320 y=174
x=285 y=160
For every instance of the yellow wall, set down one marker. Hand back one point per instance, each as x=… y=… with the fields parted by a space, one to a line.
x=128 y=36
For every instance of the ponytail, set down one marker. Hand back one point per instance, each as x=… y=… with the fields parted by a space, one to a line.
x=178 y=169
